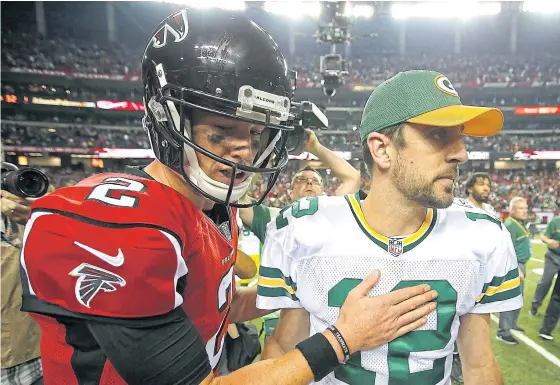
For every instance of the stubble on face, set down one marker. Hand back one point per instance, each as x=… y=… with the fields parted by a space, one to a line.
x=480 y=198
x=416 y=187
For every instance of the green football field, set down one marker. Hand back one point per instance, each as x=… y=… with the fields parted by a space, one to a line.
x=521 y=364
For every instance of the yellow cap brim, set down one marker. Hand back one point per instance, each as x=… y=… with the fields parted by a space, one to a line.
x=477 y=121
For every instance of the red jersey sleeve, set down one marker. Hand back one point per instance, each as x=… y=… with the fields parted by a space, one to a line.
x=129 y=267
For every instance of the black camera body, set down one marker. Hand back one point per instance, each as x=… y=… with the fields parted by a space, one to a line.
x=333 y=70
x=308 y=115
x=27 y=182
x=333 y=28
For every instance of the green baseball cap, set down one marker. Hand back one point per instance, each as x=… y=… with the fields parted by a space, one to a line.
x=428 y=98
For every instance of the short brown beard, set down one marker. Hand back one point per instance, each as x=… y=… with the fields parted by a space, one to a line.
x=477 y=197
x=411 y=184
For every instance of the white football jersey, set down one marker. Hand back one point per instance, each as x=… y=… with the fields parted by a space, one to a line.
x=490 y=210
x=486 y=207
x=319 y=248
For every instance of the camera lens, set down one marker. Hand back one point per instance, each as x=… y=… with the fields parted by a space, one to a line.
x=25 y=183
x=32 y=183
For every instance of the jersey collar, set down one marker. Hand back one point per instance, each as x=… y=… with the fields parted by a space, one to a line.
x=523 y=228
x=137 y=171
x=408 y=242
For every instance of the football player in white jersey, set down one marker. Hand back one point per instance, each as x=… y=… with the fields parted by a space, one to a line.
x=478 y=188
x=411 y=230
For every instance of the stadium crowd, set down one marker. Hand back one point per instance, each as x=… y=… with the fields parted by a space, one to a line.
x=539 y=187
x=84 y=93
x=504 y=142
x=460 y=68
x=87 y=130
x=84 y=134
x=26 y=50
x=81 y=93
x=29 y=50
x=113 y=120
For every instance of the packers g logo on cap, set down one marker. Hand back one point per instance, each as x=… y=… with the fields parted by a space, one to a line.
x=444 y=85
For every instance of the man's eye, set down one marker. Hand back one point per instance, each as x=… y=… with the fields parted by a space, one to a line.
x=440 y=135
x=216 y=138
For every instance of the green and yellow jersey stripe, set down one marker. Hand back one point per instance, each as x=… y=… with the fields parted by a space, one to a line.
x=273 y=283
x=501 y=288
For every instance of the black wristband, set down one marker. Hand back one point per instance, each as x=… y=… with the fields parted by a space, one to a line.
x=320 y=355
x=341 y=341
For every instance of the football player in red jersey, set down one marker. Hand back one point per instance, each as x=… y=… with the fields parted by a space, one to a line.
x=130 y=275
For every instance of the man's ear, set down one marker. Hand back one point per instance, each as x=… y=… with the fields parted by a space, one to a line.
x=379 y=149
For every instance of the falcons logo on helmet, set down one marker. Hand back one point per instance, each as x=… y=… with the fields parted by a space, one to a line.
x=176 y=25
x=91 y=279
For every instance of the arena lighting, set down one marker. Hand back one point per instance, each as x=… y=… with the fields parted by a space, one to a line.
x=294 y=9
x=22 y=160
x=537 y=155
x=119 y=105
x=536 y=110
x=479 y=155
x=229 y=5
x=546 y=7
x=447 y=9
x=358 y=11
x=97 y=163
x=62 y=102
x=124 y=153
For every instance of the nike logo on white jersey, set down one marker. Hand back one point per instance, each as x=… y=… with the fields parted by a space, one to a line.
x=116 y=261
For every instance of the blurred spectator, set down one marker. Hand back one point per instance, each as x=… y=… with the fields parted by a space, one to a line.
x=367 y=69
x=81 y=93
x=26 y=50
x=89 y=136
x=73 y=136
x=539 y=187
x=21 y=362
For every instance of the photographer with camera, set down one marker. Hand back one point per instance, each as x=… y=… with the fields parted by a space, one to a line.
x=15 y=208
x=21 y=362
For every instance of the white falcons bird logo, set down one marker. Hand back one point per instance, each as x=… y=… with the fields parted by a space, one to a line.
x=91 y=280
x=177 y=26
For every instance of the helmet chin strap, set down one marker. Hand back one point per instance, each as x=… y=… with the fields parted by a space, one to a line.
x=198 y=177
x=210 y=186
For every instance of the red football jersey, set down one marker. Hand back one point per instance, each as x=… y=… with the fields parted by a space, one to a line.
x=124 y=246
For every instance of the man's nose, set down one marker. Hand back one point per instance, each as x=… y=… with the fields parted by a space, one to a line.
x=241 y=149
x=458 y=153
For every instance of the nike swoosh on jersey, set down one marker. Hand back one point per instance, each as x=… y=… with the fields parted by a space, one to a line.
x=116 y=260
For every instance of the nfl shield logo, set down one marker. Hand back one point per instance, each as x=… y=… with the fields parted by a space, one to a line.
x=224 y=229
x=395 y=246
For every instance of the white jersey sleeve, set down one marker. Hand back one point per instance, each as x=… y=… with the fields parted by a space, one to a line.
x=502 y=289
x=276 y=283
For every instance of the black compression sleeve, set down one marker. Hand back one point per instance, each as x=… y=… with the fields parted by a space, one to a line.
x=170 y=353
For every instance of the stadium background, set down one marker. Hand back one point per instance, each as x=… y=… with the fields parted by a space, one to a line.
x=72 y=98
